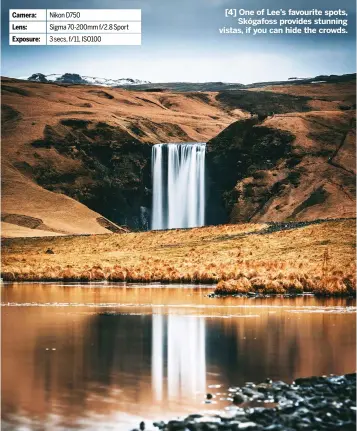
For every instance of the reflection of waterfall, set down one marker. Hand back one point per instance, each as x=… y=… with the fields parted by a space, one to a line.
x=157 y=358
x=178 y=172
x=186 y=357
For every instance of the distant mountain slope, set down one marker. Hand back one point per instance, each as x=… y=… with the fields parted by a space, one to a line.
x=330 y=79
x=224 y=86
x=139 y=85
x=74 y=78
x=182 y=87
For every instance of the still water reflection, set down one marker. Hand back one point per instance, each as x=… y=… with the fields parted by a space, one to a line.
x=107 y=356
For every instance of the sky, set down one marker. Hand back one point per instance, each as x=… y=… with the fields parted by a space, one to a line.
x=181 y=42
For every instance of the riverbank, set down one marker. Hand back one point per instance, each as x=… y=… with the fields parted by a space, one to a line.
x=315 y=403
x=316 y=257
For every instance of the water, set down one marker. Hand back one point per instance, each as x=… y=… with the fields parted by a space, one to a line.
x=107 y=356
x=178 y=172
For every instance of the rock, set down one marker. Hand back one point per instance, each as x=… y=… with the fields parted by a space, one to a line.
x=347 y=426
x=279 y=385
x=160 y=424
x=262 y=415
x=239 y=398
x=38 y=77
x=250 y=392
x=262 y=387
x=176 y=425
x=191 y=426
x=314 y=403
x=49 y=251
x=274 y=427
x=247 y=425
x=351 y=376
x=226 y=426
x=142 y=426
x=210 y=427
x=194 y=416
x=291 y=395
x=209 y=396
x=71 y=78
x=309 y=381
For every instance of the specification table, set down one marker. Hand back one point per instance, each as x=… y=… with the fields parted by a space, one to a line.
x=75 y=27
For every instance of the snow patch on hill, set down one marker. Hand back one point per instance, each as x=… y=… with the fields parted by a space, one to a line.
x=74 y=78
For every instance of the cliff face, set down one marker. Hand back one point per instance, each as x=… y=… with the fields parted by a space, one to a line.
x=112 y=171
x=289 y=165
x=240 y=161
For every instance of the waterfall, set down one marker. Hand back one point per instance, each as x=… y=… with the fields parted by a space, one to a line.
x=178 y=172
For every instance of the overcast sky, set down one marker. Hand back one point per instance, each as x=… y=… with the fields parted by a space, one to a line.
x=181 y=42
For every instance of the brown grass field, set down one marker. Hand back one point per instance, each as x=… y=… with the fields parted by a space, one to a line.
x=318 y=258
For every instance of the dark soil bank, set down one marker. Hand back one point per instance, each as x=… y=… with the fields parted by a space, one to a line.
x=314 y=403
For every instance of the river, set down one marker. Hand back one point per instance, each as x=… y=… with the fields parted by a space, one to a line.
x=106 y=356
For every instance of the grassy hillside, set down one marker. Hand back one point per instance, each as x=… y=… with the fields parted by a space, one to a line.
x=244 y=257
x=91 y=144
x=295 y=160
x=77 y=157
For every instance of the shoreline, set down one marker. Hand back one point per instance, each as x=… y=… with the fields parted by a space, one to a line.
x=318 y=403
x=213 y=294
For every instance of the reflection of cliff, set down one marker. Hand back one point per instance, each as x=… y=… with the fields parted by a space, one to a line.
x=185 y=355
x=34 y=377
x=281 y=345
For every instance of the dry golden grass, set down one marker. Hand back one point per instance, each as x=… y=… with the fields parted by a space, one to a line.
x=315 y=258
